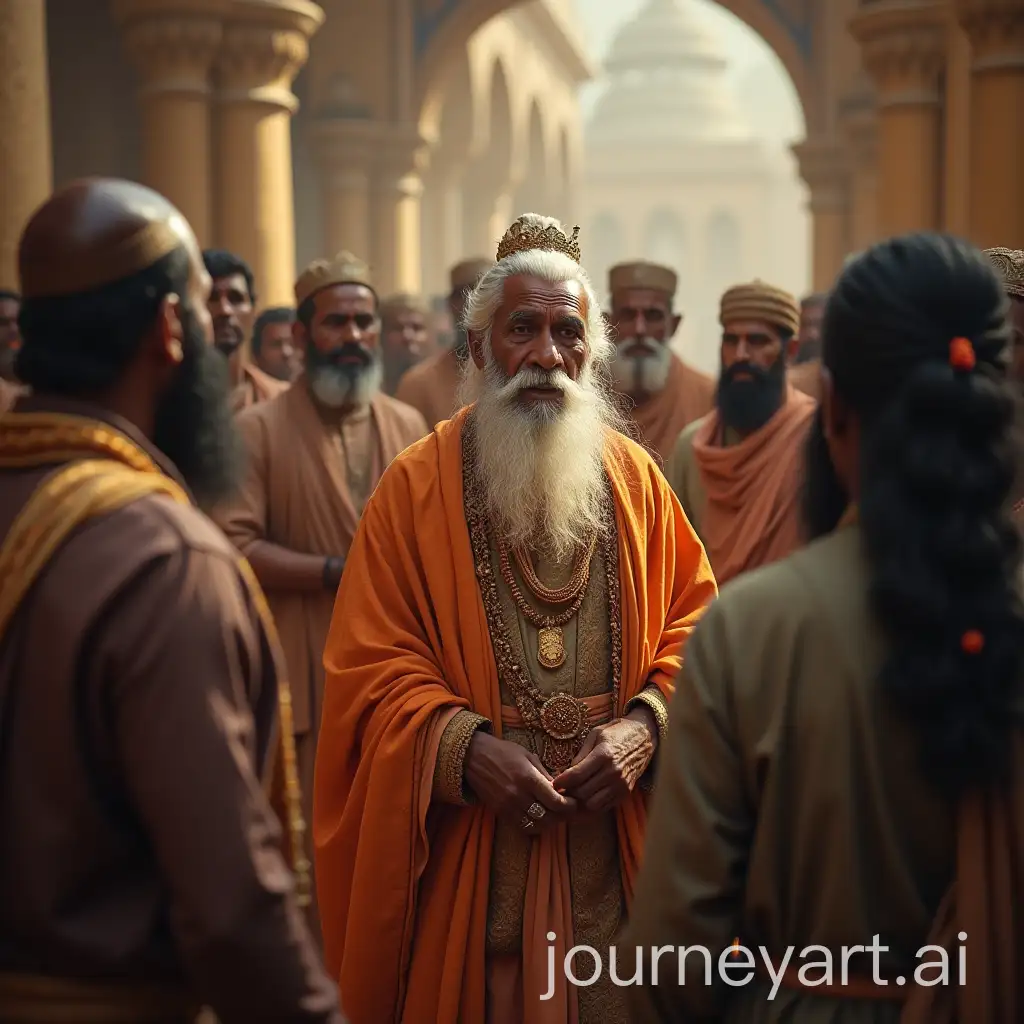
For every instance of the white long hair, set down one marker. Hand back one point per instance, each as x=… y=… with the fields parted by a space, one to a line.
x=541 y=468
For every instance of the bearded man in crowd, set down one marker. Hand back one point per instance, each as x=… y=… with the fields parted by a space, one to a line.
x=665 y=393
x=805 y=348
x=405 y=336
x=433 y=385
x=737 y=472
x=232 y=306
x=10 y=342
x=501 y=655
x=315 y=454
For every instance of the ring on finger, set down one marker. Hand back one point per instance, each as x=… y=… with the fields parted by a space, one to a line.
x=536 y=811
x=527 y=823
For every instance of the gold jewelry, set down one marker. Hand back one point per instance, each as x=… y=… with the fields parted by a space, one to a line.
x=550 y=638
x=526 y=823
x=577 y=580
x=525 y=237
x=536 y=811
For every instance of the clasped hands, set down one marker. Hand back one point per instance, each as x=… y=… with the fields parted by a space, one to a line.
x=510 y=780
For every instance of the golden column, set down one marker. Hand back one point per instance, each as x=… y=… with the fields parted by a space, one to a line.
x=266 y=43
x=860 y=124
x=824 y=167
x=346 y=148
x=26 y=161
x=995 y=29
x=173 y=44
x=904 y=47
x=397 y=199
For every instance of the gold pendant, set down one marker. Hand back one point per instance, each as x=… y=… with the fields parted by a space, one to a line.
x=551 y=647
x=565 y=721
x=558 y=754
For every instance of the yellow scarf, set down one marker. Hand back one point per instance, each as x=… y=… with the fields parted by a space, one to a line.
x=101 y=470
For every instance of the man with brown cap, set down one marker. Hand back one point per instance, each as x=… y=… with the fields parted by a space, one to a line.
x=805 y=349
x=1009 y=264
x=737 y=472
x=666 y=394
x=315 y=454
x=232 y=307
x=433 y=385
x=10 y=342
x=405 y=335
x=140 y=678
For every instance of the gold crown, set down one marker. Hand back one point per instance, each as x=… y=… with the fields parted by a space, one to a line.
x=524 y=237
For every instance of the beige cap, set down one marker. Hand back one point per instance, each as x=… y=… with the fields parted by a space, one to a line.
x=641 y=274
x=467 y=273
x=404 y=302
x=345 y=268
x=1009 y=265
x=760 y=301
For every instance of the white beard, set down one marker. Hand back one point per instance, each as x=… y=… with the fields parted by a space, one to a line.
x=541 y=466
x=641 y=367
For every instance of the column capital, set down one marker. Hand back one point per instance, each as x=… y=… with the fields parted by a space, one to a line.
x=172 y=43
x=824 y=166
x=265 y=45
x=996 y=31
x=389 y=153
x=904 y=45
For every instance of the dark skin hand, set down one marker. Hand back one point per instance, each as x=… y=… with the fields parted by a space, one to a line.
x=611 y=761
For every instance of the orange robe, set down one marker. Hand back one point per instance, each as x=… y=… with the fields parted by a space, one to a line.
x=806 y=377
x=403 y=893
x=752 y=511
x=687 y=396
x=432 y=386
x=257 y=386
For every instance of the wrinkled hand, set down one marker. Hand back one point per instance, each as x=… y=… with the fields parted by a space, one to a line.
x=508 y=780
x=609 y=764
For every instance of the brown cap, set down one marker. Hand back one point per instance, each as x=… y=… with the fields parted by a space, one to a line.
x=641 y=274
x=760 y=301
x=1009 y=265
x=404 y=302
x=345 y=268
x=96 y=232
x=467 y=273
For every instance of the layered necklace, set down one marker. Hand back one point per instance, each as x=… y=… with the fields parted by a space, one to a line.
x=550 y=635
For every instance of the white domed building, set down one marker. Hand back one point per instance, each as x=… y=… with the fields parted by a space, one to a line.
x=676 y=173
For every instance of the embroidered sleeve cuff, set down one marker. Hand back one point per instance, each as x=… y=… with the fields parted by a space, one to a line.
x=653 y=699
x=449 y=775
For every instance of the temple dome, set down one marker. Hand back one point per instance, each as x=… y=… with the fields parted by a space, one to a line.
x=668 y=75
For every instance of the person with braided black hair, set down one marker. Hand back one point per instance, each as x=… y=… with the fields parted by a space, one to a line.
x=843 y=785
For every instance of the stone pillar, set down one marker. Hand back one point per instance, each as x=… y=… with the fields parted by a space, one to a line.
x=824 y=167
x=26 y=157
x=346 y=149
x=995 y=29
x=398 y=191
x=173 y=44
x=904 y=47
x=860 y=125
x=265 y=45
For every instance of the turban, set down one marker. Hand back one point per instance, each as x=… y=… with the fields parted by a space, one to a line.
x=760 y=301
x=1009 y=265
x=320 y=274
x=642 y=274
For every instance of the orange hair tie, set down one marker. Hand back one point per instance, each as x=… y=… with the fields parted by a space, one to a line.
x=972 y=642
x=961 y=355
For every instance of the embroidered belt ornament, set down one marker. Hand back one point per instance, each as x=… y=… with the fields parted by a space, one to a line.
x=102 y=470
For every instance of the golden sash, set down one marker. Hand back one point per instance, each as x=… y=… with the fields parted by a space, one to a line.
x=103 y=471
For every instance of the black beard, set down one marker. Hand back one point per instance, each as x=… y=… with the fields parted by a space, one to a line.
x=824 y=498
x=228 y=348
x=747 y=405
x=195 y=427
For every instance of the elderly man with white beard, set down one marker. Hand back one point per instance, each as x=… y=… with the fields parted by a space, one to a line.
x=315 y=453
x=504 y=644
x=665 y=394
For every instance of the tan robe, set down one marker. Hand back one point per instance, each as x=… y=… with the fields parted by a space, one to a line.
x=687 y=396
x=257 y=386
x=790 y=809
x=138 y=699
x=806 y=377
x=432 y=386
x=305 y=490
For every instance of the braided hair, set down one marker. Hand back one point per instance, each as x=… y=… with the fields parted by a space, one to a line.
x=916 y=341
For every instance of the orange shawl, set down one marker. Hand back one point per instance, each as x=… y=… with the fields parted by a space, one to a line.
x=403 y=885
x=687 y=396
x=751 y=516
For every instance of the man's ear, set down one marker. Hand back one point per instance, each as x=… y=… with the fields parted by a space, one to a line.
x=792 y=349
x=476 y=349
x=170 y=332
x=677 y=322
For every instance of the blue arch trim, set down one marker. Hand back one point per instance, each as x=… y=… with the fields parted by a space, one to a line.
x=796 y=17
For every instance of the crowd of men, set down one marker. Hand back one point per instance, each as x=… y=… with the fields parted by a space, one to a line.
x=338 y=653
